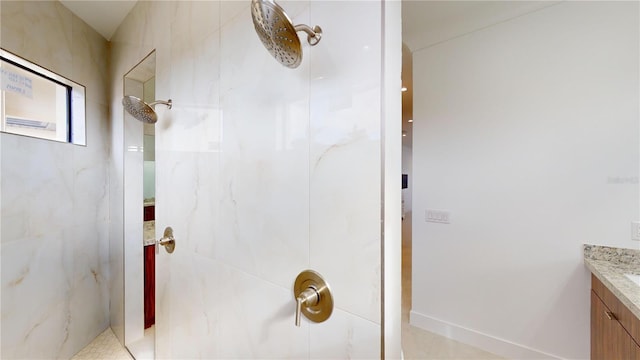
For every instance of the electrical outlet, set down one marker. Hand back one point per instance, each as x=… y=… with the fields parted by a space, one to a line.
x=635 y=230
x=437 y=216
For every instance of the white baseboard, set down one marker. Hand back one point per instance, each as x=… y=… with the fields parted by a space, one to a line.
x=492 y=344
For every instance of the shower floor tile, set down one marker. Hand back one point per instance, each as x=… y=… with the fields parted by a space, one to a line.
x=106 y=346
x=144 y=349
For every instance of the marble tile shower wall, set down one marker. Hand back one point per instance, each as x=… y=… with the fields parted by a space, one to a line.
x=54 y=197
x=262 y=172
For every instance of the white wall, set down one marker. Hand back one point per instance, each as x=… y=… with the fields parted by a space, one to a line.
x=527 y=131
x=55 y=210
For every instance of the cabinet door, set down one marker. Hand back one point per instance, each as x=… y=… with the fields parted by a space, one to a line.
x=609 y=340
x=149 y=286
x=635 y=351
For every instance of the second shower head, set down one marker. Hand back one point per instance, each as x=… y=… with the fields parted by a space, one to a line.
x=141 y=110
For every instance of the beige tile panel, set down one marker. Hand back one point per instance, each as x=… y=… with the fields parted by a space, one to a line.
x=103 y=347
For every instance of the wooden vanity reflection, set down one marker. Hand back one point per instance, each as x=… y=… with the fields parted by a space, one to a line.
x=149 y=266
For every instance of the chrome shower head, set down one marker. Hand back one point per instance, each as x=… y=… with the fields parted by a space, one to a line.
x=141 y=110
x=278 y=34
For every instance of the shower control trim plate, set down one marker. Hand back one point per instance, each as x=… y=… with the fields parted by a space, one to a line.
x=167 y=240
x=313 y=297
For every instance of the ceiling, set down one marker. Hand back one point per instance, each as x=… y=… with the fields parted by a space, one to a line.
x=103 y=16
x=426 y=23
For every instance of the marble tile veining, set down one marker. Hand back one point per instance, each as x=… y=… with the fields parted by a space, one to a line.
x=344 y=130
x=55 y=197
x=611 y=265
x=249 y=154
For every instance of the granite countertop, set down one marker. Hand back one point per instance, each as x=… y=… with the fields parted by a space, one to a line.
x=149 y=237
x=610 y=265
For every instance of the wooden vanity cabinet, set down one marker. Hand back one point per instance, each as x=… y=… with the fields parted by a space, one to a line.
x=149 y=212
x=149 y=286
x=149 y=274
x=635 y=352
x=614 y=328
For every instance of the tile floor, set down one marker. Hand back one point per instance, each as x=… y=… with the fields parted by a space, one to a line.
x=104 y=347
x=416 y=343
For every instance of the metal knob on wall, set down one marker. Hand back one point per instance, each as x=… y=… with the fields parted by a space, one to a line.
x=167 y=240
x=313 y=297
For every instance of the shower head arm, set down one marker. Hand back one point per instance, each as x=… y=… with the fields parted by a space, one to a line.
x=313 y=35
x=168 y=103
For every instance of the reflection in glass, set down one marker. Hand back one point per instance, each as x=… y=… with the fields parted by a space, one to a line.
x=140 y=251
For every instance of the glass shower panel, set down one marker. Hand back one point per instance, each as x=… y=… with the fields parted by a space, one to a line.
x=139 y=205
x=253 y=176
x=345 y=148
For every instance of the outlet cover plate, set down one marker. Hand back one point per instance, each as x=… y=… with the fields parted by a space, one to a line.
x=635 y=230
x=437 y=216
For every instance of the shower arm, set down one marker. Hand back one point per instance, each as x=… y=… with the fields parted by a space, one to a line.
x=313 y=35
x=168 y=103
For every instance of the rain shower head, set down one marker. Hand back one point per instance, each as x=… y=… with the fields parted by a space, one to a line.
x=141 y=110
x=278 y=34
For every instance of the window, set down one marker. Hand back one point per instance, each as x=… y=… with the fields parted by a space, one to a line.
x=39 y=103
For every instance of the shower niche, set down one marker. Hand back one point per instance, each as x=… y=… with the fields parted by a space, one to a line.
x=139 y=211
